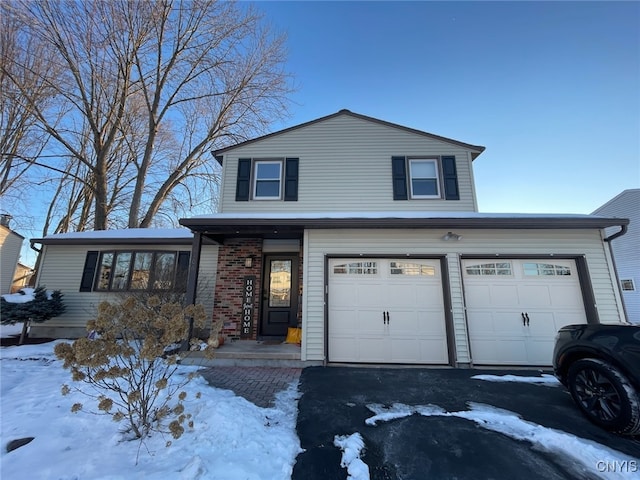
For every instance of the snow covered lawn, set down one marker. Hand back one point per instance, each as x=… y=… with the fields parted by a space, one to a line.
x=231 y=439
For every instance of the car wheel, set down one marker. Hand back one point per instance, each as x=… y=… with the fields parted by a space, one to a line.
x=605 y=395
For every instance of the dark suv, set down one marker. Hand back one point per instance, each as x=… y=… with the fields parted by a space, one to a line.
x=600 y=365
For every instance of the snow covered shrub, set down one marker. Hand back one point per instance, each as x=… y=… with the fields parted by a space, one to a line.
x=127 y=365
x=30 y=305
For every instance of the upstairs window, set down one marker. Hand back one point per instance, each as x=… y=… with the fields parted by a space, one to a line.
x=267 y=183
x=267 y=179
x=424 y=179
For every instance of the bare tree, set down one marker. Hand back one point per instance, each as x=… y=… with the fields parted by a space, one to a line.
x=25 y=67
x=149 y=89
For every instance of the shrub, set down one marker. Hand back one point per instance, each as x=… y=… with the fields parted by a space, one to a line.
x=128 y=364
x=35 y=306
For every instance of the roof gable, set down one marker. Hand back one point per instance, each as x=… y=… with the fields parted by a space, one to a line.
x=475 y=149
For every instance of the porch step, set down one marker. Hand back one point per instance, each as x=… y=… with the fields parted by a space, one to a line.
x=250 y=353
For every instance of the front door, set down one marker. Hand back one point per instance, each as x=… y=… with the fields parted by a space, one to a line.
x=279 y=295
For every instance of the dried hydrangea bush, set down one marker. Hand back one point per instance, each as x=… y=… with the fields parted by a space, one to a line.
x=126 y=368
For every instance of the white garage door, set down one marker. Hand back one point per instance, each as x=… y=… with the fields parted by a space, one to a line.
x=515 y=307
x=386 y=311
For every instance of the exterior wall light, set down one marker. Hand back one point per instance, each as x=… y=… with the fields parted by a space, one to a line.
x=451 y=236
x=248 y=262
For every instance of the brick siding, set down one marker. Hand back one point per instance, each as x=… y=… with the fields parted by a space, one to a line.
x=229 y=291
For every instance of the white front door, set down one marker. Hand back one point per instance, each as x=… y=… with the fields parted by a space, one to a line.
x=386 y=311
x=515 y=308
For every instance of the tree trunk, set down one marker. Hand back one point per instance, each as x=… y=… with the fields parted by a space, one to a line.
x=24 y=334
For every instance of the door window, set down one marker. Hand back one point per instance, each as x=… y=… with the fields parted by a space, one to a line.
x=280 y=283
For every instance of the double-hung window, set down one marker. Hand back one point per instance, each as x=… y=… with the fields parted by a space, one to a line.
x=424 y=178
x=267 y=180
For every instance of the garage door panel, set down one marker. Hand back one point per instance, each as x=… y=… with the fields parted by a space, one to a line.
x=542 y=324
x=432 y=323
x=496 y=323
x=372 y=349
x=504 y=295
x=370 y=295
x=404 y=350
x=369 y=322
x=531 y=296
x=564 y=297
x=498 y=351
x=539 y=351
x=343 y=322
x=475 y=294
x=341 y=296
x=343 y=349
x=400 y=295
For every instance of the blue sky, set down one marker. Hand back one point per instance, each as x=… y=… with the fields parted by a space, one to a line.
x=551 y=89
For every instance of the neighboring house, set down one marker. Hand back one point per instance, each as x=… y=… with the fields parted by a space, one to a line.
x=88 y=267
x=367 y=235
x=10 y=245
x=21 y=277
x=626 y=249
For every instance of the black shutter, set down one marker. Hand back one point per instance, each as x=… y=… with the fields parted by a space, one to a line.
x=89 y=271
x=450 y=178
x=182 y=271
x=399 y=177
x=291 y=180
x=243 y=185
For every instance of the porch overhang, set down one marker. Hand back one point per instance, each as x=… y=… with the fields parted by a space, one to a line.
x=275 y=225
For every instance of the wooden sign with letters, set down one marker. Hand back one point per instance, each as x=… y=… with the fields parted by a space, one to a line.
x=248 y=294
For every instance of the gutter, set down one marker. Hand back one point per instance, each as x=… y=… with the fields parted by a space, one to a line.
x=622 y=231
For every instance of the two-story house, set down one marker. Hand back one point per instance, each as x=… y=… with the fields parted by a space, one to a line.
x=367 y=235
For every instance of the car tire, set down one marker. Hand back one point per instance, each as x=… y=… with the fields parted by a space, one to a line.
x=605 y=395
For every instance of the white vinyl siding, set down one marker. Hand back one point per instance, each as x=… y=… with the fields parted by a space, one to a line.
x=62 y=267
x=345 y=165
x=400 y=243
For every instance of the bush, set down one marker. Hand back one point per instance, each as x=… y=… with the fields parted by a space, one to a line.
x=128 y=365
x=41 y=307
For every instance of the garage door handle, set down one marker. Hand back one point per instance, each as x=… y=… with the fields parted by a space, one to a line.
x=388 y=319
x=525 y=319
x=385 y=318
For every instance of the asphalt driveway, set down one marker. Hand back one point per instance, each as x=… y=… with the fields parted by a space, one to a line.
x=453 y=445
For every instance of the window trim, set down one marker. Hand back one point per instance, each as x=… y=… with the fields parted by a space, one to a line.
x=254 y=179
x=175 y=275
x=438 y=178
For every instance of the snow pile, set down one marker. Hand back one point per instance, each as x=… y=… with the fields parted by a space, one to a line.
x=352 y=447
x=544 y=379
x=231 y=439
x=24 y=295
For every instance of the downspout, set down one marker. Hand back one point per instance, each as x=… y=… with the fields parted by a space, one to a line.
x=619 y=233
x=36 y=269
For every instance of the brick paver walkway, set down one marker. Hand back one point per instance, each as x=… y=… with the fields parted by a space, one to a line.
x=259 y=385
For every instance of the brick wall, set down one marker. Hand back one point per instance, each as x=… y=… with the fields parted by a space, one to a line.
x=229 y=291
